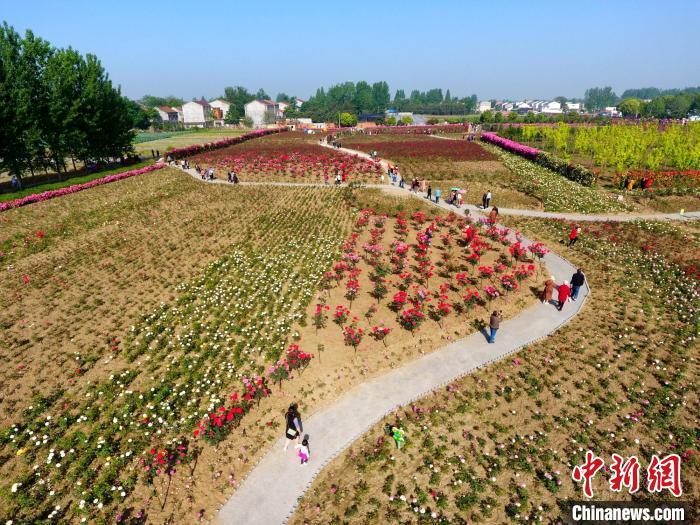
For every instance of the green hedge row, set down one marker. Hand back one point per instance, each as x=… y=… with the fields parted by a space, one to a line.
x=574 y=172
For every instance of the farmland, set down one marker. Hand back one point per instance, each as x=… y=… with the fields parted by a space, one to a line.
x=288 y=157
x=498 y=446
x=159 y=376
x=167 y=141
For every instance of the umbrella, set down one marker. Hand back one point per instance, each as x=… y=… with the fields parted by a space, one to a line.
x=454 y=189
x=461 y=191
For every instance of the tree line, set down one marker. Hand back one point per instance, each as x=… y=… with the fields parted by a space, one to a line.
x=56 y=106
x=364 y=98
x=646 y=102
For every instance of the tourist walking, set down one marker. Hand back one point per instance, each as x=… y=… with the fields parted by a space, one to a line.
x=563 y=292
x=573 y=236
x=293 y=426
x=303 y=449
x=429 y=196
x=401 y=182
x=577 y=281
x=548 y=291
x=486 y=199
x=459 y=200
x=438 y=193
x=325 y=178
x=493 y=216
x=494 y=325
x=399 y=436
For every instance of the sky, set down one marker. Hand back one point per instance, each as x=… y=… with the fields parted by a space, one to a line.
x=492 y=48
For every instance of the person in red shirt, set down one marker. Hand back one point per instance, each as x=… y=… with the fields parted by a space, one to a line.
x=573 y=236
x=564 y=291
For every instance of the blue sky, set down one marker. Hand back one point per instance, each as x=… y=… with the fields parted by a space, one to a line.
x=496 y=49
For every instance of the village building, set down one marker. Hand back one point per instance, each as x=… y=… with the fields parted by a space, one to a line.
x=262 y=112
x=167 y=114
x=197 y=114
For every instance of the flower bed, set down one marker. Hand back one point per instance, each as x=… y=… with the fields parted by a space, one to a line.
x=52 y=194
x=290 y=157
x=664 y=179
x=418 y=130
x=424 y=148
x=573 y=172
x=194 y=149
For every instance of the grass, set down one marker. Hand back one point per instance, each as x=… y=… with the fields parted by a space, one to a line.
x=69 y=182
x=186 y=138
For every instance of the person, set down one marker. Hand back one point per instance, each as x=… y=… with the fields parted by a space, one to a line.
x=493 y=216
x=153 y=154
x=459 y=200
x=577 y=281
x=303 y=450
x=399 y=436
x=235 y=178
x=401 y=182
x=494 y=325
x=16 y=183
x=382 y=178
x=573 y=236
x=438 y=192
x=548 y=291
x=325 y=179
x=430 y=192
x=229 y=177
x=486 y=199
x=293 y=426
x=563 y=291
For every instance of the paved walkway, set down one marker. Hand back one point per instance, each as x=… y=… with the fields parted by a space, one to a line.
x=270 y=493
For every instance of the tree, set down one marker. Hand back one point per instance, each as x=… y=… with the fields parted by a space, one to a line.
x=400 y=95
x=381 y=95
x=630 y=107
x=391 y=121
x=348 y=119
x=283 y=97
x=262 y=95
x=599 y=98
x=364 y=98
x=151 y=101
x=486 y=116
x=238 y=97
x=498 y=117
x=679 y=106
x=247 y=122
x=447 y=98
x=406 y=120
x=142 y=117
x=434 y=96
x=233 y=116
x=656 y=108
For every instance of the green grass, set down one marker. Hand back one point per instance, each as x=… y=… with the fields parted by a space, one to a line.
x=148 y=137
x=69 y=182
x=186 y=138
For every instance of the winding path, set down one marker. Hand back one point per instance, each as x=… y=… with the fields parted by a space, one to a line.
x=270 y=493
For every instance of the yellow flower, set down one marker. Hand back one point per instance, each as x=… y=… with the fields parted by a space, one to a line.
x=21 y=451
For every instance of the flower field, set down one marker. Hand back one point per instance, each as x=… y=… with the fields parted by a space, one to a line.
x=148 y=389
x=287 y=157
x=499 y=446
x=420 y=147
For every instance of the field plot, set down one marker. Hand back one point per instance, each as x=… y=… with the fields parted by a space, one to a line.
x=499 y=446
x=667 y=156
x=182 y=139
x=148 y=350
x=288 y=157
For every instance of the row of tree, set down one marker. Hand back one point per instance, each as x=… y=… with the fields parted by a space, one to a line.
x=364 y=98
x=56 y=105
x=646 y=102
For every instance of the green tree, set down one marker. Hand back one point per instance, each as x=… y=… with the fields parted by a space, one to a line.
x=391 y=121
x=151 y=101
x=262 y=95
x=364 y=98
x=679 y=106
x=381 y=95
x=630 y=107
x=486 y=116
x=447 y=98
x=283 y=97
x=348 y=119
x=406 y=120
x=598 y=98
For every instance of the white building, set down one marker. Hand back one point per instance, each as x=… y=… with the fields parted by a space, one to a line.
x=197 y=114
x=262 y=112
x=167 y=114
x=484 y=105
x=282 y=107
x=574 y=106
x=551 y=108
x=219 y=110
x=298 y=102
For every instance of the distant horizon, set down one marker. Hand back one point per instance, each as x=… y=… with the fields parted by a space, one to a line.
x=499 y=51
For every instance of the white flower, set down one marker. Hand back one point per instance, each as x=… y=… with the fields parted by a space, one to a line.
x=15 y=486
